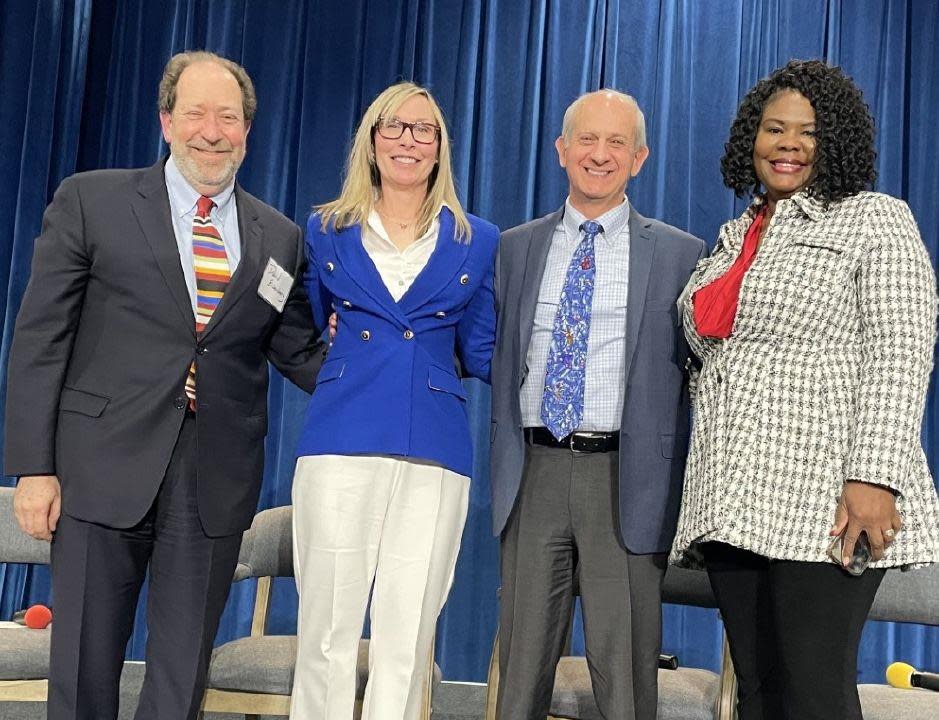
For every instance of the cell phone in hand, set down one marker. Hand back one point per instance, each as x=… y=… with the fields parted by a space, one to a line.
x=862 y=553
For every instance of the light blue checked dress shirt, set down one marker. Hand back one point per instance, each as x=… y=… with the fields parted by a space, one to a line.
x=183 y=197
x=606 y=357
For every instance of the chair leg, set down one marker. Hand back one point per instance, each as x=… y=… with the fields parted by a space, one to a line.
x=492 y=680
x=727 y=700
x=427 y=702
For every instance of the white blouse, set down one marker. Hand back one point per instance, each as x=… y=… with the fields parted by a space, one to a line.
x=398 y=268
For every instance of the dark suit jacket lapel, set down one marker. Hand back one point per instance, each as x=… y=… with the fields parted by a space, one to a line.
x=539 y=243
x=641 y=250
x=252 y=246
x=445 y=261
x=151 y=205
x=362 y=271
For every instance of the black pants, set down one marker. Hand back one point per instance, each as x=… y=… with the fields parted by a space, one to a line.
x=97 y=573
x=794 y=630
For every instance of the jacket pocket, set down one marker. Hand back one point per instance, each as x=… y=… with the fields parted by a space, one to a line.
x=443 y=381
x=81 y=402
x=331 y=370
x=834 y=244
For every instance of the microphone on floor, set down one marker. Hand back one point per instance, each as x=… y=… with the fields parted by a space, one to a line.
x=901 y=675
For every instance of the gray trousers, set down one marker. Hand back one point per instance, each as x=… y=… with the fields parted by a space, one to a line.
x=562 y=539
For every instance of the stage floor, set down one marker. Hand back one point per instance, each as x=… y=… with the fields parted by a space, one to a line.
x=452 y=701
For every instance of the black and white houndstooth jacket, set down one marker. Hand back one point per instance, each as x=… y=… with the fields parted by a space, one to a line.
x=823 y=380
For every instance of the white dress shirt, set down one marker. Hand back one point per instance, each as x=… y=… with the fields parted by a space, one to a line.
x=604 y=385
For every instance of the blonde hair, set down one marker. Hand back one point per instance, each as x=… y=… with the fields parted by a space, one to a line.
x=362 y=179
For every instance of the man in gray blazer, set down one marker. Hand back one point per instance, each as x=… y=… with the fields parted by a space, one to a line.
x=588 y=439
x=137 y=396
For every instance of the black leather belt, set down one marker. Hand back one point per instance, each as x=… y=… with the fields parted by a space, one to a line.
x=583 y=442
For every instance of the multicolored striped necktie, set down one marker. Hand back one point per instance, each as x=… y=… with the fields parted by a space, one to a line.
x=212 y=276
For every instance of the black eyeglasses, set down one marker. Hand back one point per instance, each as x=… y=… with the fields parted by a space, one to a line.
x=392 y=128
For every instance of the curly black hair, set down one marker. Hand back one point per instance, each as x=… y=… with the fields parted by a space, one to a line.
x=844 y=131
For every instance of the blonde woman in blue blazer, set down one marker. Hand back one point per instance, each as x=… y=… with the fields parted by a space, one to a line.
x=382 y=480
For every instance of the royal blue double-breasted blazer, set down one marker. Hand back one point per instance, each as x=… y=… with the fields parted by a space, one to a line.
x=389 y=385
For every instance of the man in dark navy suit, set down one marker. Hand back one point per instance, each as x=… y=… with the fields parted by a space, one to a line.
x=137 y=401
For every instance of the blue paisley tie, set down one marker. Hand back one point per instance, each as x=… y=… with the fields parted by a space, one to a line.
x=562 y=406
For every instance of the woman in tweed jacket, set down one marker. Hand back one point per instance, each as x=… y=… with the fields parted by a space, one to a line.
x=810 y=395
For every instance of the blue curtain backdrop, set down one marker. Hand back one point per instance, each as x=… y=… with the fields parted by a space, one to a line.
x=78 y=80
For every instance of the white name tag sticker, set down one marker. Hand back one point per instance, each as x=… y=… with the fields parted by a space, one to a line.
x=275 y=285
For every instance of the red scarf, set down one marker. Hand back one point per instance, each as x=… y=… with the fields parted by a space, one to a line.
x=715 y=304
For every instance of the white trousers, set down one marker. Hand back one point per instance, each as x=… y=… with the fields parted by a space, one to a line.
x=359 y=519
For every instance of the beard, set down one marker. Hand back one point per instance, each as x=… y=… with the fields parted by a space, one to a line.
x=199 y=175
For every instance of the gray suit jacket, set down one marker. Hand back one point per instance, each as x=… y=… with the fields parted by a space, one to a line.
x=104 y=338
x=654 y=429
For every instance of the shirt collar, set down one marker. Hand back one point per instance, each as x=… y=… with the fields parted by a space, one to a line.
x=814 y=209
x=613 y=220
x=810 y=206
x=183 y=196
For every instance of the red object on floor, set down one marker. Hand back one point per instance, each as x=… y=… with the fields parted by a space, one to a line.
x=38 y=617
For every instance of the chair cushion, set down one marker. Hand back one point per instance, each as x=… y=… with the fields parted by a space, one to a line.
x=882 y=702
x=255 y=664
x=684 y=694
x=688 y=694
x=24 y=654
x=265 y=665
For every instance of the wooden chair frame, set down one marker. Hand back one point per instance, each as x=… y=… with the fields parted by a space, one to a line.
x=251 y=705
x=24 y=690
x=726 y=699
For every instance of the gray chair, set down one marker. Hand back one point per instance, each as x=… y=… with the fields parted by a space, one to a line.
x=254 y=675
x=684 y=694
x=906 y=597
x=24 y=653
x=910 y=597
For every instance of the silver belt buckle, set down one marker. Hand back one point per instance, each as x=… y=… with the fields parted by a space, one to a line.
x=587 y=435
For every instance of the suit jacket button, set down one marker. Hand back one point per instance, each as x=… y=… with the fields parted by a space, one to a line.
x=366 y=335
x=440 y=314
x=180 y=403
x=201 y=350
x=408 y=335
x=330 y=267
x=346 y=304
x=464 y=278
